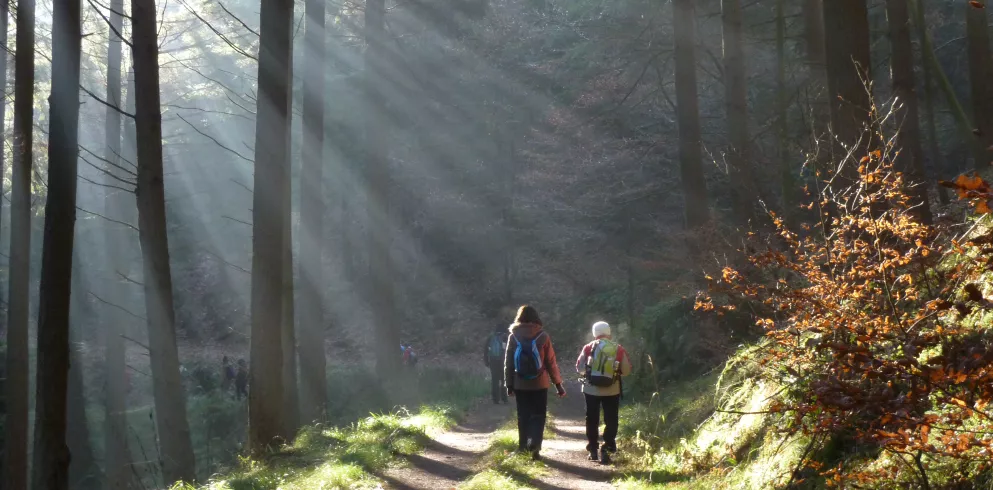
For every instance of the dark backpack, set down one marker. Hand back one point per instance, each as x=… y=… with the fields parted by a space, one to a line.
x=496 y=347
x=527 y=358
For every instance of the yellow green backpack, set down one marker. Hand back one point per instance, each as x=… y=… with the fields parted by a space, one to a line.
x=602 y=366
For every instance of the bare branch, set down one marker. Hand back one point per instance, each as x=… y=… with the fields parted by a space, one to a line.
x=218 y=143
x=119 y=307
x=110 y=186
x=230 y=43
x=105 y=19
x=108 y=162
x=104 y=102
x=112 y=220
x=236 y=220
x=235 y=17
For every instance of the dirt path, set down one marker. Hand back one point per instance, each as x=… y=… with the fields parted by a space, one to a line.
x=453 y=456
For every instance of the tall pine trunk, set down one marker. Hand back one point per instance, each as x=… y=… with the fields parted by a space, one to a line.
x=736 y=106
x=17 y=383
x=313 y=363
x=84 y=473
x=291 y=401
x=175 y=446
x=51 y=454
x=688 y=115
x=117 y=204
x=910 y=159
x=787 y=181
x=379 y=292
x=265 y=400
x=937 y=160
x=846 y=28
x=980 y=75
x=4 y=50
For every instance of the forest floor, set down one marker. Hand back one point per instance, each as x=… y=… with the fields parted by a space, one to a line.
x=456 y=455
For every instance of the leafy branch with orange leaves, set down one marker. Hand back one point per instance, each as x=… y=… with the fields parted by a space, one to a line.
x=878 y=326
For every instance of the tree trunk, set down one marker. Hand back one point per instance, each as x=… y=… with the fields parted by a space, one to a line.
x=17 y=384
x=4 y=50
x=937 y=161
x=175 y=446
x=83 y=470
x=380 y=291
x=846 y=28
x=980 y=74
x=743 y=183
x=265 y=401
x=813 y=29
x=787 y=180
x=51 y=455
x=910 y=158
x=313 y=363
x=291 y=402
x=688 y=115
x=116 y=203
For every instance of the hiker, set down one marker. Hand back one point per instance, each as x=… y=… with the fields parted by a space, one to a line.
x=407 y=355
x=241 y=380
x=529 y=369
x=494 y=350
x=227 y=374
x=602 y=362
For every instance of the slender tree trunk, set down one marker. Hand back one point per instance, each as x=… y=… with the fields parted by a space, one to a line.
x=813 y=29
x=83 y=470
x=910 y=159
x=51 y=455
x=291 y=401
x=4 y=50
x=846 y=28
x=980 y=74
x=937 y=161
x=688 y=115
x=175 y=446
x=313 y=363
x=116 y=202
x=787 y=180
x=265 y=405
x=380 y=292
x=17 y=384
x=736 y=106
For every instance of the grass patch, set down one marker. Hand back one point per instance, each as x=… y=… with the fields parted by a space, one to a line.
x=493 y=480
x=349 y=455
x=338 y=457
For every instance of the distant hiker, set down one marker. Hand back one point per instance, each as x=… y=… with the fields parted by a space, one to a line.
x=241 y=380
x=494 y=350
x=407 y=355
x=602 y=363
x=228 y=374
x=529 y=369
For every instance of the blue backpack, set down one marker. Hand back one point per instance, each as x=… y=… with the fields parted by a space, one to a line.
x=527 y=358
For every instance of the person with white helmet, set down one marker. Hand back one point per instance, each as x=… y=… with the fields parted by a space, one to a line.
x=602 y=362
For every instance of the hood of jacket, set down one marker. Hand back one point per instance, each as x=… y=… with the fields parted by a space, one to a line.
x=525 y=331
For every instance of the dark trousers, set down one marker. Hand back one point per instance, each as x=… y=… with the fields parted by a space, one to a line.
x=611 y=405
x=497 y=385
x=532 y=406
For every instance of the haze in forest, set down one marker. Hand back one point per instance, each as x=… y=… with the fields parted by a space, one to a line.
x=229 y=227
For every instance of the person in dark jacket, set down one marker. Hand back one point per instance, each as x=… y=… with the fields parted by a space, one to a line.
x=530 y=386
x=494 y=350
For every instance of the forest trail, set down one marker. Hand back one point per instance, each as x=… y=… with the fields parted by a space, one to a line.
x=454 y=456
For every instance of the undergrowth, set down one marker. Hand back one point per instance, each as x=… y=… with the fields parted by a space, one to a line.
x=505 y=467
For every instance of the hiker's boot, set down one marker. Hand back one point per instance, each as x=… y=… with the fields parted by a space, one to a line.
x=593 y=455
x=604 y=457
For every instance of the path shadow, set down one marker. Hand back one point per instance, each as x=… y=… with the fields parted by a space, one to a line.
x=540 y=485
x=579 y=436
x=589 y=473
x=438 y=468
x=433 y=445
x=393 y=483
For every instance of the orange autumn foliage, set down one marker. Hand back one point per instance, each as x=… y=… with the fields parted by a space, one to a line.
x=870 y=326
